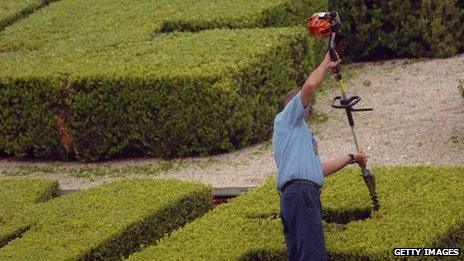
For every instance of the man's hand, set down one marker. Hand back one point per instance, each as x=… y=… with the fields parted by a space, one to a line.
x=360 y=158
x=329 y=64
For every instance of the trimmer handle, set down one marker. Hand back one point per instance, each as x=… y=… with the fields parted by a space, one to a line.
x=333 y=54
x=334 y=57
x=340 y=102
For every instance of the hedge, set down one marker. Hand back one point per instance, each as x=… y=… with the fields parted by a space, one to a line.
x=396 y=28
x=245 y=224
x=420 y=207
x=106 y=23
x=17 y=197
x=13 y=10
x=109 y=222
x=239 y=14
x=180 y=94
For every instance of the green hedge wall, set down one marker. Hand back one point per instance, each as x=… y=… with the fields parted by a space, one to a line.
x=420 y=207
x=17 y=198
x=245 y=224
x=109 y=222
x=179 y=94
x=394 y=28
x=105 y=23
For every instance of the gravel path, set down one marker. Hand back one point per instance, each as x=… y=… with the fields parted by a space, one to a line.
x=418 y=118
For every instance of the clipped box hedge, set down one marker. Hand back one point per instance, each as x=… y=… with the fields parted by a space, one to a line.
x=179 y=94
x=17 y=198
x=238 y=14
x=110 y=221
x=244 y=225
x=13 y=10
x=105 y=23
x=420 y=207
x=396 y=28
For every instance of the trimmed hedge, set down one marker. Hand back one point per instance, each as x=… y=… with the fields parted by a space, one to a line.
x=109 y=222
x=17 y=198
x=180 y=94
x=239 y=14
x=396 y=28
x=420 y=207
x=13 y=10
x=245 y=224
x=104 y=24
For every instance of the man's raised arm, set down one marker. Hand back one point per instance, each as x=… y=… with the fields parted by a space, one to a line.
x=315 y=78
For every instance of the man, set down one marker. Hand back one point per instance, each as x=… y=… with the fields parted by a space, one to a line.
x=301 y=172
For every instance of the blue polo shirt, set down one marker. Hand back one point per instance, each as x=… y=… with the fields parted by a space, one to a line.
x=295 y=147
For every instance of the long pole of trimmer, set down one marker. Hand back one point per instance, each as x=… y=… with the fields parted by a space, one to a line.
x=366 y=173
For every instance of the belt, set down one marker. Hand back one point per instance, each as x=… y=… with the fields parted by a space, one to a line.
x=301 y=182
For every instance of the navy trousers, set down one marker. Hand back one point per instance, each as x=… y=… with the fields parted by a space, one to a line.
x=301 y=215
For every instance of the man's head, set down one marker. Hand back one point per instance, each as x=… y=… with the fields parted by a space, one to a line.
x=290 y=95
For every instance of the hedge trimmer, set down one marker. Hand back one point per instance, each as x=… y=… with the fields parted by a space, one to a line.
x=326 y=26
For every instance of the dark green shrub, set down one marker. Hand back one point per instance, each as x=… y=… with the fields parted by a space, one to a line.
x=420 y=207
x=17 y=197
x=385 y=29
x=28 y=125
x=108 y=222
x=179 y=94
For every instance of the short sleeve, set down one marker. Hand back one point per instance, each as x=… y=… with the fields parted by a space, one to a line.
x=294 y=112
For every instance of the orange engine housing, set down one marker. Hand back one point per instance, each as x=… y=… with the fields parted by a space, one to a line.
x=319 y=26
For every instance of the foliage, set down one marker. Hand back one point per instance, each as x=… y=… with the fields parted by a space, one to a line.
x=130 y=98
x=17 y=196
x=109 y=222
x=103 y=81
x=420 y=207
x=394 y=28
x=244 y=224
x=13 y=10
x=104 y=24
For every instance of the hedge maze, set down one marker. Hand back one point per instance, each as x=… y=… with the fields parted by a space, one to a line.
x=93 y=80
x=144 y=219
x=104 y=103
x=96 y=80
x=17 y=198
x=13 y=10
x=107 y=222
x=103 y=24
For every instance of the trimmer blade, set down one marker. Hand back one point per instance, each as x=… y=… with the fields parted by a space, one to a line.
x=369 y=179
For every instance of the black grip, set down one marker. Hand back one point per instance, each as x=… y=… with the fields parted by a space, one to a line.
x=363 y=109
x=334 y=57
